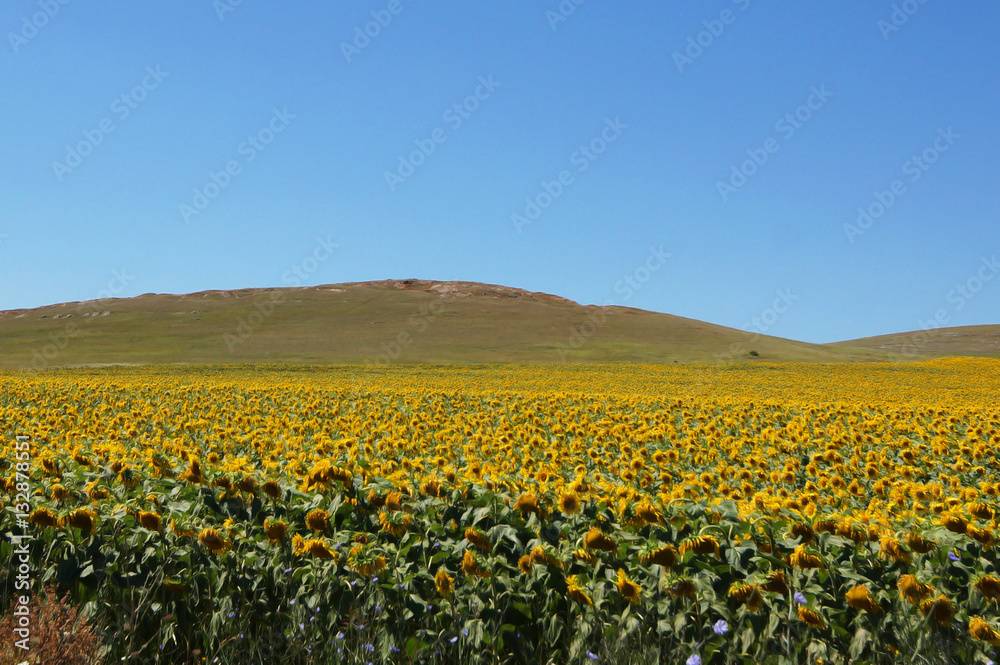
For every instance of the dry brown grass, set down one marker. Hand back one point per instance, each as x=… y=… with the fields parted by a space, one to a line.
x=59 y=635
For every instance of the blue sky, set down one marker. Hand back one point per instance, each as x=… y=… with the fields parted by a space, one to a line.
x=626 y=124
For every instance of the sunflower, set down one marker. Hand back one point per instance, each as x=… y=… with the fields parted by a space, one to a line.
x=989 y=586
x=981 y=510
x=394 y=501
x=891 y=548
x=394 y=523
x=272 y=489
x=776 y=582
x=569 y=502
x=665 y=556
x=193 y=473
x=96 y=493
x=524 y=563
x=700 y=545
x=954 y=523
x=912 y=590
x=364 y=562
x=247 y=484
x=627 y=588
x=747 y=594
x=183 y=533
x=983 y=536
x=478 y=539
x=213 y=540
x=470 y=566
x=576 y=592
x=540 y=556
x=683 y=589
x=443 y=582
x=582 y=554
x=919 y=544
x=61 y=494
x=802 y=559
x=940 y=608
x=81 y=519
x=803 y=531
x=647 y=513
x=859 y=598
x=43 y=517
x=318 y=520
x=811 y=618
x=528 y=503
x=983 y=631
x=596 y=540
x=275 y=531
x=151 y=521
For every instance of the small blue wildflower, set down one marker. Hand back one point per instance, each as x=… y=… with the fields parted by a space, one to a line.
x=953 y=556
x=693 y=659
x=720 y=627
x=454 y=639
x=592 y=656
x=800 y=599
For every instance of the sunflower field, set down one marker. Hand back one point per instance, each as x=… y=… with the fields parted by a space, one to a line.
x=699 y=514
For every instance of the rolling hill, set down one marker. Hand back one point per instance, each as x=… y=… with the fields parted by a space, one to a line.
x=410 y=320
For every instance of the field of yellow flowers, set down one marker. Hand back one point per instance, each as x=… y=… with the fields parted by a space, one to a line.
x=733 y=513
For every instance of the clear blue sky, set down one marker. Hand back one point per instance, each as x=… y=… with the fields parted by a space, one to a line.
x=682 y=125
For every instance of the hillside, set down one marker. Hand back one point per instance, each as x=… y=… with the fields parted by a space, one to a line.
x=401 y=321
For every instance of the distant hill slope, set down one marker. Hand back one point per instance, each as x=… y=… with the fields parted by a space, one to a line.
x=981 y=341
x=388 y=321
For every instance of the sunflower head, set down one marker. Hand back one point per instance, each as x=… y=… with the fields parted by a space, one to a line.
x=318 y=520
x=151 y=521
x=82 y=519
x=627 y=588
x=443 y=582
x=213 y=540
x=747 y=594
x=859 y=598
x=940 y=609
x=596 y=540
x=478 y=539
x=569 y=502
x=980 y=630
x=275 y=530
x=811 y=618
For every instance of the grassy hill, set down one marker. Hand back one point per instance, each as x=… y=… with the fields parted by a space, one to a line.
x=395 y=321
x=983 y=341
